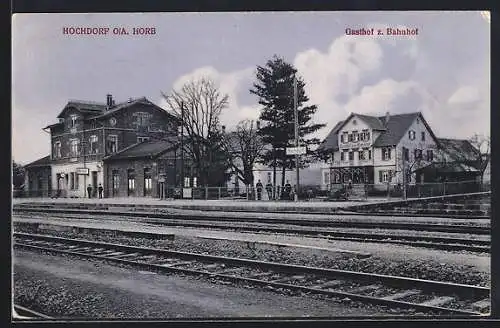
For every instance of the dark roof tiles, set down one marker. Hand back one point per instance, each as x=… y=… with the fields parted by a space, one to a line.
x=150 y=148
x=396 y=127
x=44 y=161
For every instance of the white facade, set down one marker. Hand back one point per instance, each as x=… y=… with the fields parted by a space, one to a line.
x=78 y=186
x=355 y=149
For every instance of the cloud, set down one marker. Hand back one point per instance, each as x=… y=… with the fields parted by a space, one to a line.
x=464 y=94
x=231 y=83
x=351 y=76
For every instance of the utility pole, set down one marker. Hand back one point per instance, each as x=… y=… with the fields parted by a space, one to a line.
x=182 y=147
x=295 y=109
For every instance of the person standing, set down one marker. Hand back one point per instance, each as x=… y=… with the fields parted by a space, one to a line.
x=269 y=189
x=259 y=188
x=89 y=190
x=100 y=189
x=287 y=190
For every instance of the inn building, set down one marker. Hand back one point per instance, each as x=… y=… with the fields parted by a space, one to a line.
x=376 y=150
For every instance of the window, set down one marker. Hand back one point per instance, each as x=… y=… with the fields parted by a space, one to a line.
x=195 y=182
x=142 y=139
x=116 y=182
x=112 y=144
x=344 y=137
x=186 y=182
x=268 y=177
x=384 y=176
x=423 y=136
x=411 y=135
x=93 y=124
x=72 y=123
x=350 y=137
x=386 y=153
x=93 y=144
x=362 y=154
x=351 y=155
x=418 y=154
x=148 y=183
x=131 y=182
x=326 y=178
x=73 y=147
x=343 y=155
x=365 y=135
x=430 y=155
x=71 y=180
x=57 y=149
x=355 y=136
x=142 y=119
x=77 y=181
x=370 y=154
x=406 y=154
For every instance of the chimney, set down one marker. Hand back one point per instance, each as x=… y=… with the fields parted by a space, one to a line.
x=387 y=117
x=109 y=100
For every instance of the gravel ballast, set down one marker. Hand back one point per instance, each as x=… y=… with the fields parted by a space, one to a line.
x=413 y=267
x=65 y=287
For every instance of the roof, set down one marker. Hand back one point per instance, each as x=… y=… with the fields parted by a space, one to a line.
x=459 y=149
x=391 y=132
x=44 y=161
x=86 y=107
x=449 y=167
x=129 y=103
x=151 y=148
x=396 y=127
x=98 y=110
x=53 y=125
x=372 y=121
x=331 y=140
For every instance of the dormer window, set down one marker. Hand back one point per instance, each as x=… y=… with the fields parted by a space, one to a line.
x=73 y=121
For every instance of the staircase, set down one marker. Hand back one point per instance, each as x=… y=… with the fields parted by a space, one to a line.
x=475 y=205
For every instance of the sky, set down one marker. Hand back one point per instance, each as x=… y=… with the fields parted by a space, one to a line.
x=443 y=71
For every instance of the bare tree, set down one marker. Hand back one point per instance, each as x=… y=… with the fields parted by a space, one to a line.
x=244 y=147
x=406 y=165
x=199 y=103
x=482 y=157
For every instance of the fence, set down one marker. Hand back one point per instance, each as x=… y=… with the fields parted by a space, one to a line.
x=418 y=190
x=355 y=191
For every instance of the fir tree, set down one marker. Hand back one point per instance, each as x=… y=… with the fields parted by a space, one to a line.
x=274 y=87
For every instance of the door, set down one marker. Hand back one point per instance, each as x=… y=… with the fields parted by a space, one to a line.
x=94 y=183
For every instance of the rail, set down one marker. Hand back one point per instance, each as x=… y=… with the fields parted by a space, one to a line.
x=367 y=287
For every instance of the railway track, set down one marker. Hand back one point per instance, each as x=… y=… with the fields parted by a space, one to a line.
x=195 y=219
x=432 y=242
x=396 y=292
x=24 y=313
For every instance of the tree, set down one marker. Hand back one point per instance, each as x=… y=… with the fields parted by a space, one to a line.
x=18 y=173
x=274 y=88
x=407 y=164
x=199 y=103
x=244 y=147
x=482 y=143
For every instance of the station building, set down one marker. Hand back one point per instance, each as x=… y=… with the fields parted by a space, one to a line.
x=130 y=148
